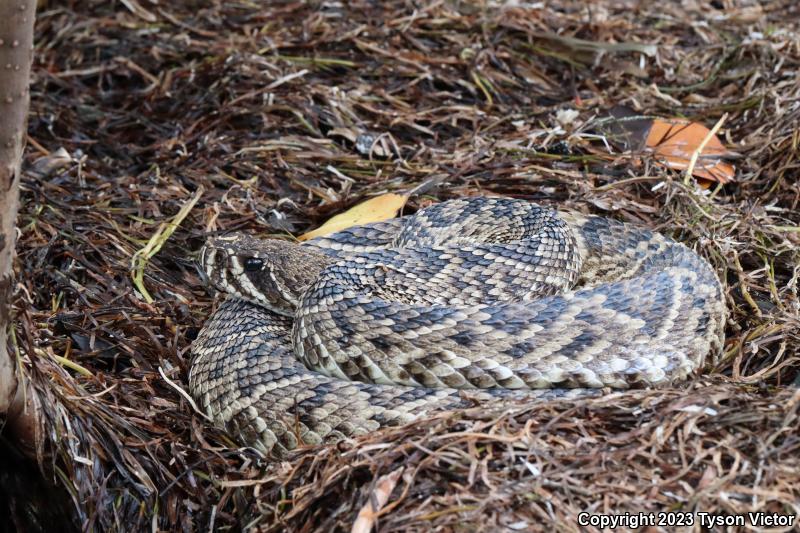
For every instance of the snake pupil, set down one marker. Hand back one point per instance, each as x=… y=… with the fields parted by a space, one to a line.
x=253 y=264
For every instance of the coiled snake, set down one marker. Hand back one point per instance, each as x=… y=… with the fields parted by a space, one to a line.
x=467 y=300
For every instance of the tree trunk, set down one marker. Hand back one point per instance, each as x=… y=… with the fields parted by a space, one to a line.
x=16 y=53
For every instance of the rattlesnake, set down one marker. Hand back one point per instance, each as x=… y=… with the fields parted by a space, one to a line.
x=475 y=299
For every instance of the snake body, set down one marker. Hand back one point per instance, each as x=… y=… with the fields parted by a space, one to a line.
x=469 y=300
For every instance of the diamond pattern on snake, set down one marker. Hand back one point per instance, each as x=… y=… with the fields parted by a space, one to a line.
x=469 y=300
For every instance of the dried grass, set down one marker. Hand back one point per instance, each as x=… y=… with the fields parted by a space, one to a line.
x=284 y=115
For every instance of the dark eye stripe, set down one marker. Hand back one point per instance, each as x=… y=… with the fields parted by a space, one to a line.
x=253 y=264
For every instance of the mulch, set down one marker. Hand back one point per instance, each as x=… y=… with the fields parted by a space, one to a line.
x=271 y=119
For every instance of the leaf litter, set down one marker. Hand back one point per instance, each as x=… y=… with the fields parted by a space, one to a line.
x=270 y=117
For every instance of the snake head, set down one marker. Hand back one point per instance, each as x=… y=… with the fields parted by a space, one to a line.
x=271 y=273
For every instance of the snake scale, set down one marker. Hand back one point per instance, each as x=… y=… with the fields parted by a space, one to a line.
x=475 y=299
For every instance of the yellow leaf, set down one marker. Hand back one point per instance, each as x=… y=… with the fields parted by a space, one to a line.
x=381 y=207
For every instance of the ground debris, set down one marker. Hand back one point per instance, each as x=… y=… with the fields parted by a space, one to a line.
x=140 y=107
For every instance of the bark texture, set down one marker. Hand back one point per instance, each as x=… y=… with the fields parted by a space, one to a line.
x=16 y=52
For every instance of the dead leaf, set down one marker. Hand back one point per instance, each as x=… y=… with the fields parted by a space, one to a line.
x=625 y=128
x=674 y=141
x=369 y=512
x=381 y=207
x=48 y=165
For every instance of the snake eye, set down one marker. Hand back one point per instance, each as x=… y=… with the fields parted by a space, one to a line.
x=253 y=264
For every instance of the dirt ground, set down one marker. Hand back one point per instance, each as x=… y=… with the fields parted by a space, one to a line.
x=259 y=116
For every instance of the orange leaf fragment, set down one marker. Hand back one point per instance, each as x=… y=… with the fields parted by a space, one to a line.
x=674 y=141
x=376 y=209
